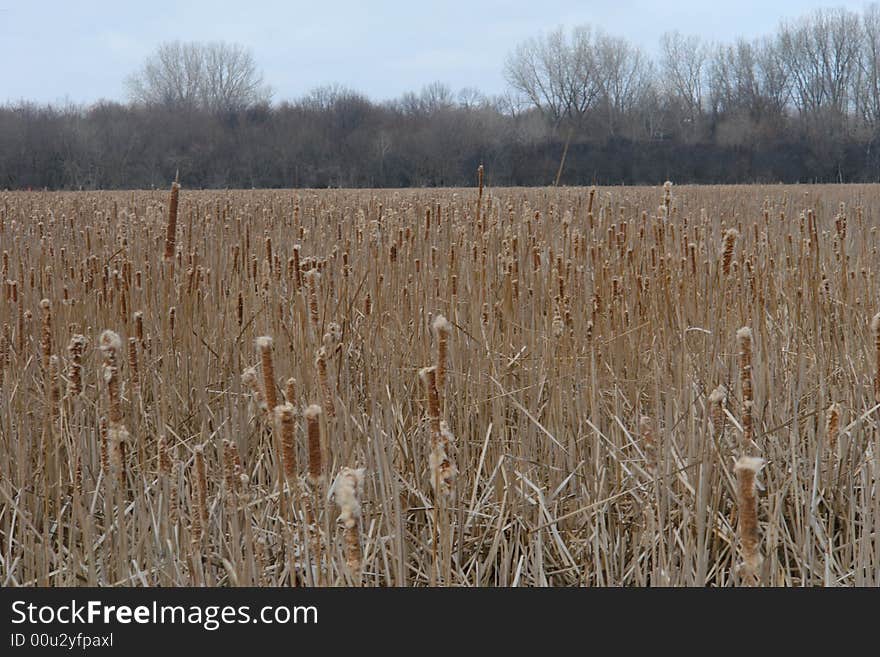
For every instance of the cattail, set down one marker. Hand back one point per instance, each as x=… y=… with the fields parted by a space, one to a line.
x=442 y=327
x=832 y=426
x=231 y=466
x=746 y=469
x=313 y=434
x=139 y=326
x=368 y=305
x=429 y=382
x=312 y=277
x=171 y=233
x=284 y=414
x=264 y=344
x=729 y=242
x=290 y=391
x=744 y=338
x=323 y=381
x=251 y=381
x=172 y=312
x=440 y=463
x=716 y=409
x=75 y=349
x=46 y=334
x=110 y=344
x=875 y=327
x=346 y=492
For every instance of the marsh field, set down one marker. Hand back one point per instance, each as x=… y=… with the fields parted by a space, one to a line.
x=629 y=386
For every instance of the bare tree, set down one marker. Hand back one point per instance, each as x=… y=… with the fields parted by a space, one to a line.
x=216 y=76
x=868 y=84
x=624 y=74
x=557 y=75
x=683 y=65
x=820 y=52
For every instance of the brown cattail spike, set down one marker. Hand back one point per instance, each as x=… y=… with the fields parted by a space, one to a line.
x=746 y=469
x=284 y=416
x=75 y=349
x=264 y=344
x=46 y=334
x=729 y=242
x=346 y=491
x=324 y=382
x=442 y=327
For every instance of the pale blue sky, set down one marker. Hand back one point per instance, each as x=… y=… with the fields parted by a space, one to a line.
x=82 y=50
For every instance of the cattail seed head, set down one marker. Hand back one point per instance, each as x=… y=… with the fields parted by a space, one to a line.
x=323 y=381
x=46 y=334
x=429 y=383
x=730 y=237
x=746 y=469
x=75 y=349
x=264 y=344
x=284 y=416
x=716 y=409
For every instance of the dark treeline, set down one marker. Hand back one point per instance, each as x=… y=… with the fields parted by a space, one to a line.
x=801 y=105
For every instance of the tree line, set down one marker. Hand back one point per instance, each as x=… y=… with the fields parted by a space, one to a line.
x=582 y=107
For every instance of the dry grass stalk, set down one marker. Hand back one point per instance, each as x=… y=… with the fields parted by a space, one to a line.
x=313 y=436
x=875 y=328
x=649 y=440
x=200 y=515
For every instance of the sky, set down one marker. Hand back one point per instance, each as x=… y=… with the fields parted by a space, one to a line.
x=81 y=51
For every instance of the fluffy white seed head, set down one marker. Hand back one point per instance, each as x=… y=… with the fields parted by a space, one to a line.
x=753 y=463
x=346 y=491
x=745 y=333
x=718 y=395
x=264 y=342
x=110 y=341
x=441 y=324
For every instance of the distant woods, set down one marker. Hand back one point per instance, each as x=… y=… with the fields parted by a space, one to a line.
x=802 y=104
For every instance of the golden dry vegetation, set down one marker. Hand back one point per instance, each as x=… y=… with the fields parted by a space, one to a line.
x=621 y=386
